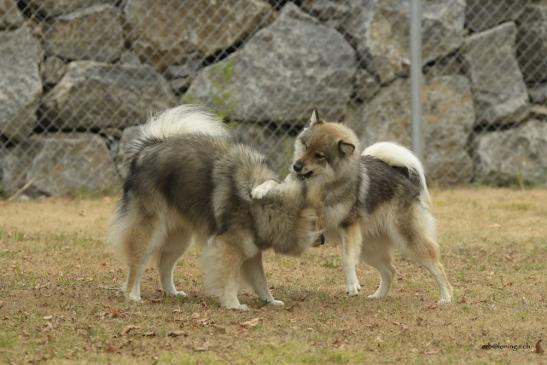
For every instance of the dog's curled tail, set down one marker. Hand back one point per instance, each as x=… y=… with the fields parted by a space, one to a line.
x=181 y=120
x=396 y=155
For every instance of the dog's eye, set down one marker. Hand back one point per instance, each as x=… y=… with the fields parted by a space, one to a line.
x=319 y=156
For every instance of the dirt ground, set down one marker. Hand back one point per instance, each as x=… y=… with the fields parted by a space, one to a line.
x=59 y=303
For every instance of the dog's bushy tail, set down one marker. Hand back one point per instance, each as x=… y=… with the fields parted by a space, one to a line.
x=396 y=155
x=181 y=120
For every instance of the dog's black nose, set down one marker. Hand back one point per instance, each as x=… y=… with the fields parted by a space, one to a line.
x=298 y=166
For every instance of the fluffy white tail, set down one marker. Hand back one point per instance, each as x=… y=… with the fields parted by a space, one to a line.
x=184 y=119
x=396 y=155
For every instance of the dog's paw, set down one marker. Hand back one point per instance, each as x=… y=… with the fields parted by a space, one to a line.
x=239 y=307
x=276 y=303
x=352 y=289
x=176 y=294
x=445 y=301
x=263 y=189
x=134 y=298
x=375 y=296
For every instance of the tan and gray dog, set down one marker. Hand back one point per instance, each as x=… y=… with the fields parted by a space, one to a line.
x=373 y=201
x=188 y=180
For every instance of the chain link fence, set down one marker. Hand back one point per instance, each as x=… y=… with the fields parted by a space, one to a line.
x=78 y=76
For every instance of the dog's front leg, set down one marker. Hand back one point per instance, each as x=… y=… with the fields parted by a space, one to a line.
x=263 y=189
x=253 y=272
x=351 y=255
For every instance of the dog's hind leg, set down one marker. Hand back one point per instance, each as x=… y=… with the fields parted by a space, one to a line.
x=138 y=249
x=426 y=253
x=253 y=272
x=174 y=246
x=222 y=260
x=351 y=254
x=423 y=248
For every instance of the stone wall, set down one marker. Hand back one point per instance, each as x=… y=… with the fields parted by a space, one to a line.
x=76 y=77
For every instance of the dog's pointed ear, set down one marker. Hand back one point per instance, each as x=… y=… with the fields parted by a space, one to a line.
x=314 y=119
x=345 y=148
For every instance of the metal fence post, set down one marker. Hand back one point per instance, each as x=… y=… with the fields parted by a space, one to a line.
x=416 y=77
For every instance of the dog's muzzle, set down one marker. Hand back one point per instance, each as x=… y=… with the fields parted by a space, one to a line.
x=305 y=176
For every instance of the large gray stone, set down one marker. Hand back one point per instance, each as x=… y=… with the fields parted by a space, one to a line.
x=129 y=135
x=10 y=16
x=20 y=83
x=333 y=13
x=513 y=156
x=180 y=76
x=274 y=143
x=448 y=119
x=283 y=73
x=52 y=70
x=51 y=8
x=365 y=86
x=484 y=14
x=93 y=33
x=99 y=95
x=538 y=94
x=58 y=164
x=499 y=91
x=380 y=29
x=167 y=32
x=532 y=43
x=129 y=57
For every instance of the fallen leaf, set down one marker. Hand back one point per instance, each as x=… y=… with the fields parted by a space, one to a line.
x=177 y=334
x=432 y=306
x=539 y=348
x=128 y=329
x=195 y=315
x=250 y=323
x=219 y=328
x=479 y=301
x=110 y=348
x=117 y=313
x=48 y=318
x=204 y=347
x=149 y=334
x=402 y=325
x=431 y=352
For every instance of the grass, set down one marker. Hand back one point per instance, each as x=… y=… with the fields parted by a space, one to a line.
x=59 y=303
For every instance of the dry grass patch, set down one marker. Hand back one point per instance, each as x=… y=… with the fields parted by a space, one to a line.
x=59 y=303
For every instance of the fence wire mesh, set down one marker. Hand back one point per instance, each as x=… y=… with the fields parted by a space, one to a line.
x=77 y=77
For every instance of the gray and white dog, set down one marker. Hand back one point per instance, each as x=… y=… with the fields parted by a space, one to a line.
x=372 y=202
x=189 y=180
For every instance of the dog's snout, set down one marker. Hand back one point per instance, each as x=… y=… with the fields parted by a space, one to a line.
x=298 y=166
